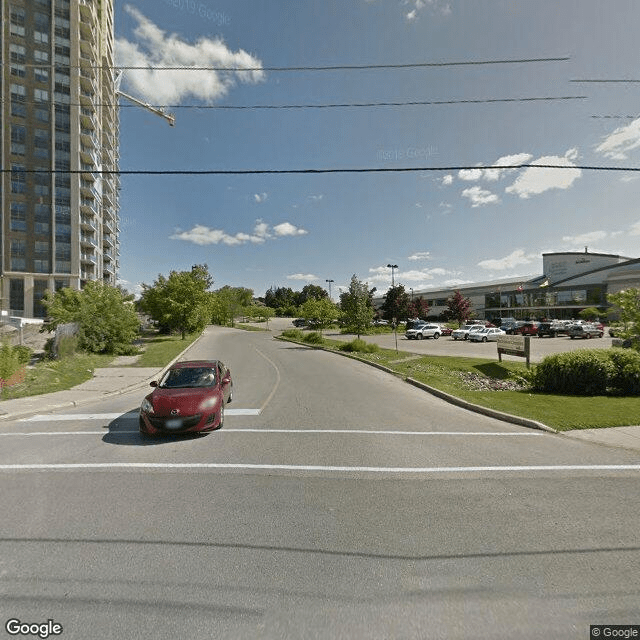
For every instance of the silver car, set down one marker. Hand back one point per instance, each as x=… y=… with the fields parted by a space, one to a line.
x=421 y=331
x=463 y=332
x=488 y=334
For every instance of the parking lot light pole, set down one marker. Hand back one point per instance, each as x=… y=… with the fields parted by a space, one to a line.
x=395 y=319
x=392 y=267
x=329 y=281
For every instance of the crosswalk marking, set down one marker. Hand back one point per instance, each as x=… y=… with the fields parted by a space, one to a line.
x=114 y=416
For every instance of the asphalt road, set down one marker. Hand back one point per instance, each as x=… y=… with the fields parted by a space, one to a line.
x=337 y=502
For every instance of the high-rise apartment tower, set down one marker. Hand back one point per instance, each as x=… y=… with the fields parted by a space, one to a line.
x=59 y=150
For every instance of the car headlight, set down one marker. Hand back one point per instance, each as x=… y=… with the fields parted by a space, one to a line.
x=146 y=406
x=209 y=403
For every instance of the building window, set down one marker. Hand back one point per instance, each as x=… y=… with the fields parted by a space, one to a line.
x=18 y=178
x=63 y=266
x=40 y=95
x=40 y=74
x=18 y=216
x=40 y=37
x=42 y=114
x=41 y=228
x=41 y=266
x=18 y=139
x=16 y=296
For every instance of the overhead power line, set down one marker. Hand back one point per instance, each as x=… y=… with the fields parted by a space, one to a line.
x=345 y=67
x=206 y=172
x=604 y=81
x=344 y=105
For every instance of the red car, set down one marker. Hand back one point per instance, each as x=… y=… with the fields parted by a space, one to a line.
x=189 y=398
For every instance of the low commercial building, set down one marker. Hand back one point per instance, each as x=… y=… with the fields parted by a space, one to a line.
x=570 y=282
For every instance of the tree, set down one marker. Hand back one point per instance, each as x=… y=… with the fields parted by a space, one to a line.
x=590 y=313
x=396 y=304
x=356 y=306
x=321 y=313
x=458 y=308
x=418 y=308
x=283 y=299
x=311 y=292
x=627 y=306
x=229 y=303
x=180 y=302
x=105 y=315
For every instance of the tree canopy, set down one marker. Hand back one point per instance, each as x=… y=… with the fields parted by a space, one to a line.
x=396 y=304
x=181 y=301
x=458 y=308
x=105 y=315
x=357 y=307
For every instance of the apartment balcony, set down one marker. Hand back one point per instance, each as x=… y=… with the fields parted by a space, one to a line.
x=88 y=223
x=89 y=207
x=107 y=240
x=87 y=9
x=87 y=80
x=88 y=240
x=87 y=275
x=88 y=119
x=87 y=98
x=88 y=258
x=87 y=50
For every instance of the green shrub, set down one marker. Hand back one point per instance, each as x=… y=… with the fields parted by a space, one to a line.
x=24 y=353
x=359 y=346
x=313 y=338
x=589 y=373
x=67 y=346
x=11 y=360
x=293 y=334
x=627 y=378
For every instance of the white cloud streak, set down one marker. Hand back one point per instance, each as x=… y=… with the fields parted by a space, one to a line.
x=514 y=259
x=533 y=181
x=155 y=48
x=619 y=144
x=203 y=235
x=479 y=197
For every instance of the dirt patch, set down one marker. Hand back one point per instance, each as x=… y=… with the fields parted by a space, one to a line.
x=31 y=336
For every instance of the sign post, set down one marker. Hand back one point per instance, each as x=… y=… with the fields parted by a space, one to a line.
x=515 y=346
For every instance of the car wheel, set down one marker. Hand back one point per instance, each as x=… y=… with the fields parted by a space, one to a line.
x=436 y=336
x=484 y=338
x=221 y=417
x=420 y=336
x=230 y=395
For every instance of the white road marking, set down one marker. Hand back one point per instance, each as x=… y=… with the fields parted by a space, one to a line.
x=291 y=431
x=62 y=417
x=314 y=468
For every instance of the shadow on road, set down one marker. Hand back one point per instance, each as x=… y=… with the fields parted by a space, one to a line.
x=123 y=430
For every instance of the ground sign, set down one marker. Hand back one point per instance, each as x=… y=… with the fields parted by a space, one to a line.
x=514 y=346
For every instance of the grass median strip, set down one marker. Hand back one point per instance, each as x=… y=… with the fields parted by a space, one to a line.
x=502 y=386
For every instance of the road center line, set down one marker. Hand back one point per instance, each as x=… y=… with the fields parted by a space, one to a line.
x=313 y=468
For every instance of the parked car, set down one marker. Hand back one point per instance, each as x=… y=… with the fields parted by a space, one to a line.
x=446 y=331
x=463 y=332
x=189 y=398
x=421 y=331
x=486 y=335
x=585 y=330
x=511 y=326
x=299 y=322
x=550 y=328
x=527 y=328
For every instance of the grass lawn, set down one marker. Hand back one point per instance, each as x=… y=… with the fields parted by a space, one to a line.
x=56 y=375
x=466 y=378
x=159 y=350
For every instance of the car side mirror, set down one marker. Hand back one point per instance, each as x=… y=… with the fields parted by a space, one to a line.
x=153 y=383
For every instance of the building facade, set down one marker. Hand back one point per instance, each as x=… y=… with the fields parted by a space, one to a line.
x=59 y=150
x=570 y=282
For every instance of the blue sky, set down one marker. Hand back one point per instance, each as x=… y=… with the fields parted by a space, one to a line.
x=440 y=228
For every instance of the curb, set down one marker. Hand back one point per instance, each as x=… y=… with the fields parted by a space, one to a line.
x=464 y=404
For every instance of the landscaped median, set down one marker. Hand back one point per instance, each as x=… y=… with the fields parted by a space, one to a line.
x=499 y=386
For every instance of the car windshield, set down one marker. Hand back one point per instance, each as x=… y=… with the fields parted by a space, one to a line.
x=189 y=377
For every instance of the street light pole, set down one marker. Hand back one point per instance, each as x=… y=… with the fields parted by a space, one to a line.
x=329 y=281
x=392 y=267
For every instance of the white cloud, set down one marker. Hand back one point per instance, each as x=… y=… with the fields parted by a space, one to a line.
x=259 y=197
x=511 y=160
x=635 y=229
x=470 y=175
x=534 y=181
x=621 y=142
x=414 y=277
x=302 y=276
x=287 y=229
x=316 y=198
x=439 y=6
x=447 y=180
x=203 y=235
x=514 y=259
x=585 y=238
x=479 y=196
x=420 y=255
x=155 y=48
